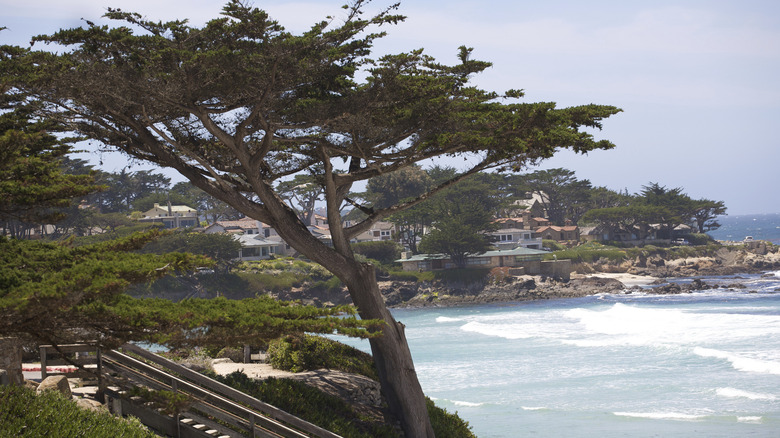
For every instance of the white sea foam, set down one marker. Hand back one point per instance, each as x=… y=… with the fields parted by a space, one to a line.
x=532 y=408
x=738 y=393
x=740 y=363
x=506 y=331
x=661 y=415
x=623 y=324
x=750 y=419
x=447 y=319
x=466 y=404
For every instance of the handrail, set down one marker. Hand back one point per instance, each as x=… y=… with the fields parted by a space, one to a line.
x=217 y=393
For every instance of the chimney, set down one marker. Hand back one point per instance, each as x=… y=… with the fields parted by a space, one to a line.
x=527 y=220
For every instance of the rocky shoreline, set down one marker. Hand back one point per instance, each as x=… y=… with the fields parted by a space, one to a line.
x=592 y=278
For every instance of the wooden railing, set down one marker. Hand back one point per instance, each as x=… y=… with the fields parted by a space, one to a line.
x=78 y=355
x=214 y=406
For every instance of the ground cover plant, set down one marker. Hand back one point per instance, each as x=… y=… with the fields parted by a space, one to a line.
x=51 y=415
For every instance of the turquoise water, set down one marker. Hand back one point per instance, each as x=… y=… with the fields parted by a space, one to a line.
x=705 y=364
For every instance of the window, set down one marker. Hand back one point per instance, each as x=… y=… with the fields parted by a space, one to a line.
x=478 y=261
x=505 y=237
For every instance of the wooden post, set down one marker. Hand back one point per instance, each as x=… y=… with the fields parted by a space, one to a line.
x=43 y=363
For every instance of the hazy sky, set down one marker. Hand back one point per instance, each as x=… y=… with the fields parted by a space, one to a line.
x=699 y=81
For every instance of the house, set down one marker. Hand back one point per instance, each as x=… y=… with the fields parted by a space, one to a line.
x=378 y=232
x=568 y=233
x=525 y=222
x=258 y=247
x=172 y=216
x=520 y=261
x=510 y=238
x=242 y=226
x=533 y=203
x=319 y=220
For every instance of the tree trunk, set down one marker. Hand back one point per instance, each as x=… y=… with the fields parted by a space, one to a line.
x=392 y=357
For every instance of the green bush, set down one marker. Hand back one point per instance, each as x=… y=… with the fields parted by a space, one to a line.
x=553 y=245
x=308 y=352
x=588 y=255
x=385 y=251
x=311 y=404
x=51 y=415
x=332 y=413
x=448 y=425
x=412 y=276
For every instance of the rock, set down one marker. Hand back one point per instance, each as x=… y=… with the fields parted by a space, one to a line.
x=89 y=404
x=55 y=383
x=668 y=289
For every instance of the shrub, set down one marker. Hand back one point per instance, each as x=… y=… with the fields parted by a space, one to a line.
x=311 y=404
x=499 y=275
x=50 y=414
x=553 y=245
x=412 y=276
x=385 y=251
x=448 y=425
x=302 y=353
x=333 y=413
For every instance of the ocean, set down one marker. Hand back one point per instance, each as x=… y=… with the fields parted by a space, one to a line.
x=759 y=226
x=704 y=364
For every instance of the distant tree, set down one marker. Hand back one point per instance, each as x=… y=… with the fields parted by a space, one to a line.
x=302 y=192
x=125 y=188
x=705 y=214
x=602 y=197
x=561 y=193
x=209 y=207
x=401 y=186
x=633 y=219
x=464 y=213
x=221 y=248
x=678 y=207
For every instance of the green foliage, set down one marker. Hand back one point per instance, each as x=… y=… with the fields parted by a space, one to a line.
x=588 y=254
x=385 y=251
x=167 y=402
x=311 y=404
x=222 y=248
x=33 y=187
x=220 y=322
x=412 y=276
x=333 y=413
x=562 y=194
x=51 y=415
x=304 y=353
x=457 y=275
x=553 y=245
x=55 y=292
x=446 y=424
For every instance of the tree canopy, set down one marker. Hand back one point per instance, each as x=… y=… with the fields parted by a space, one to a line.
x=240 y=104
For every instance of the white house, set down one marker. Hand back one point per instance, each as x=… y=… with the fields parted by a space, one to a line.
x=257 y=247
x=378 y=232
x=172 y=216
x=510 y=238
